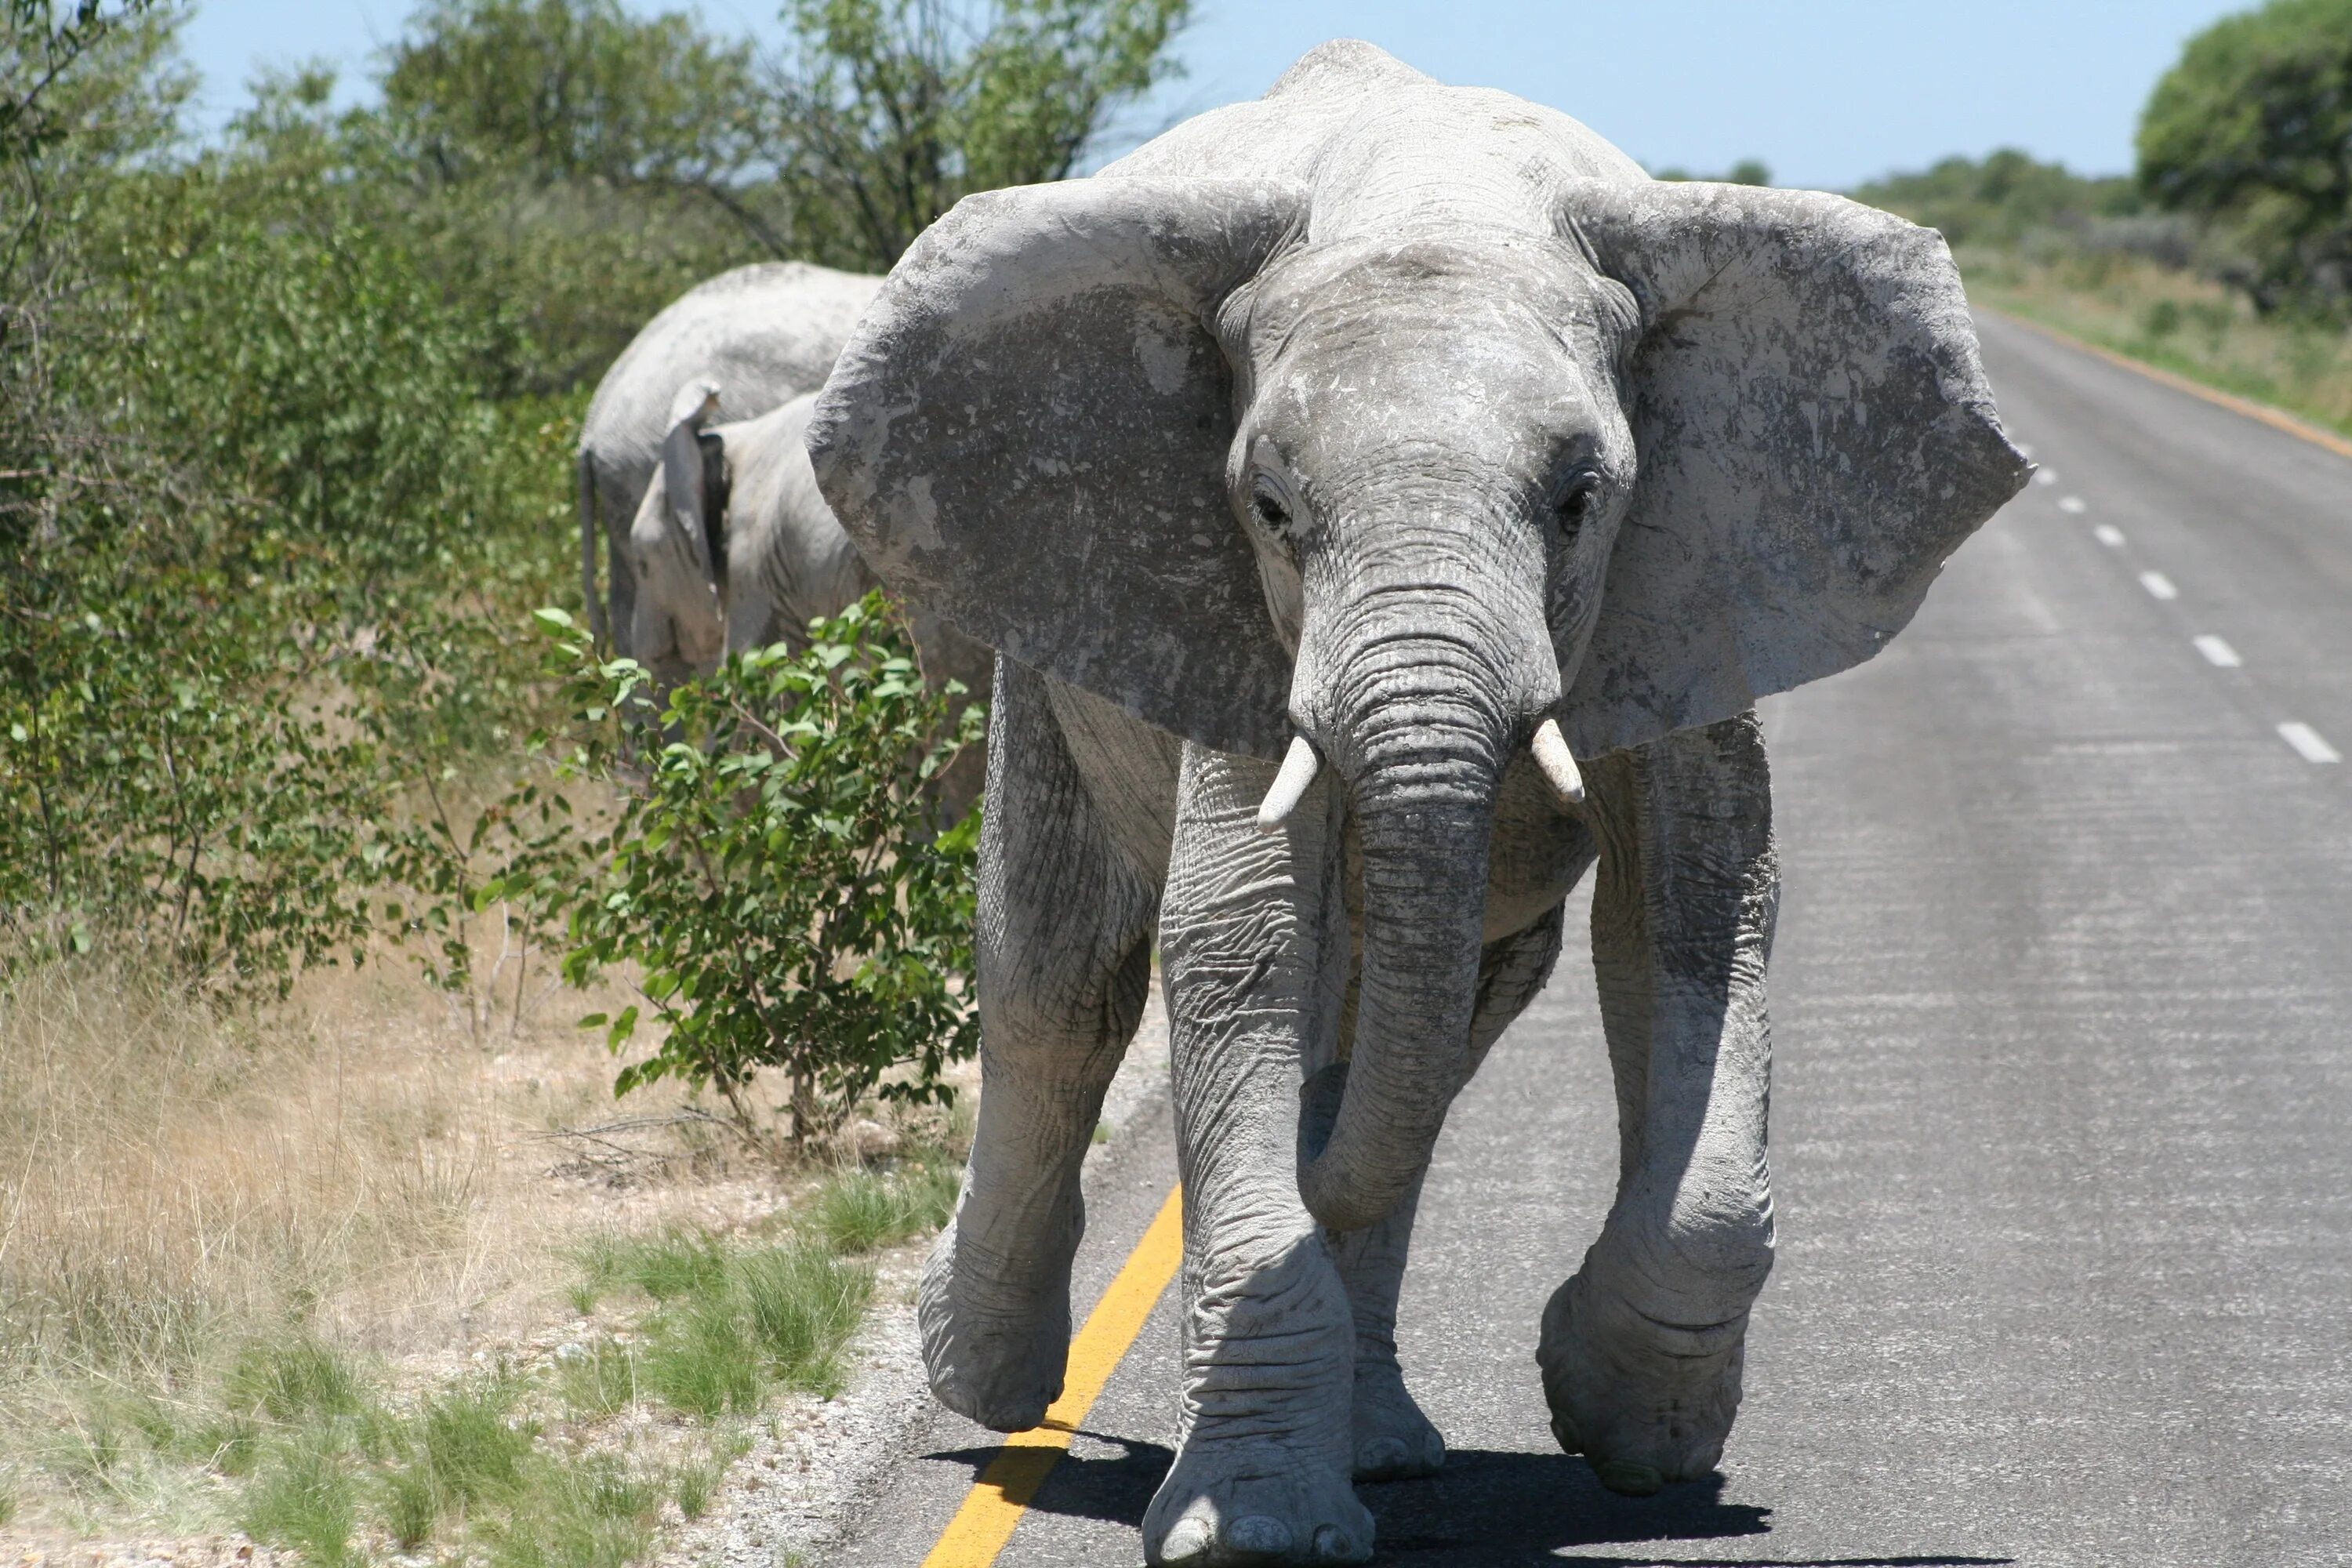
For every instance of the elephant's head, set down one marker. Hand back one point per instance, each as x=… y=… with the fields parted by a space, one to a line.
x=677 y=545
x=1402 y=507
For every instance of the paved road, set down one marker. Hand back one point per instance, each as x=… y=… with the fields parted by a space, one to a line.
x=2063 y=1127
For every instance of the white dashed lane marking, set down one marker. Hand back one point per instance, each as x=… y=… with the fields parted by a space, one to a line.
x=2158 y=586
x=2307 y=740
x=2217 y=654
x=2072 y=506
x=2108 y=534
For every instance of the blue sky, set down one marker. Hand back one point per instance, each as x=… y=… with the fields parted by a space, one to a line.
x=1827 y=93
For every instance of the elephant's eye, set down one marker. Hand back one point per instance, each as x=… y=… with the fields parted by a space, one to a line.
x=1268 y=507
x=1576 y=500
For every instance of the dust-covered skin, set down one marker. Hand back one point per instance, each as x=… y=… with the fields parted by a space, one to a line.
x=1412 y=438
x=733 y=548
x=761 y=334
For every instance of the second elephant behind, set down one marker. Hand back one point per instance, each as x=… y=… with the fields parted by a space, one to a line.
x=733 y=548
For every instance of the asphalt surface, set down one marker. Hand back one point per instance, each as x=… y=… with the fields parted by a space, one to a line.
x=2063 y=1122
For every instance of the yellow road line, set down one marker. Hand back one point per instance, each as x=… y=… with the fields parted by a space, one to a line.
x=2263 y=412
x=985 y=1522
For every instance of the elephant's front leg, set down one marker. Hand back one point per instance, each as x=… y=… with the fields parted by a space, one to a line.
x=1641 y=1350
x=1247 y=929
x=1064 y=951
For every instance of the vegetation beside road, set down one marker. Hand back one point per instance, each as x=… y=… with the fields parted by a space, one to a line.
x=317 y=1219
x=2226 y=256
x=2177 y=321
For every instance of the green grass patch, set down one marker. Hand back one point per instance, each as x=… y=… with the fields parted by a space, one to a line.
x=704 y=1361
x=304 y=1496
x=576 y=1512
x=460 y=1451
x=692 y=1486
x=802 y=1306
x=861 y=1211
x=292 y=1382
x=667 y=1268
x=599 y=1383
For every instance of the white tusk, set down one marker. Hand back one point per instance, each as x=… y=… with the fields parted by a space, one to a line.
x=1559 y=765
x=1298 y=766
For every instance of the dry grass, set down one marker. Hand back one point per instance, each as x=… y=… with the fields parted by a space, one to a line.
x=181 y=1180
x=362 y=1171
x=2178 y=320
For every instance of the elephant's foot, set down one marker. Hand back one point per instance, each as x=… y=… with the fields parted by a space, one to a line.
x=995 y=1339
x=1251 y=1501
x=1645 y=1402
x=1261 y=1477
x=1394 y=1441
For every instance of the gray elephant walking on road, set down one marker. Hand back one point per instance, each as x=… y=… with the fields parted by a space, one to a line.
x=762 y=334
x=1331 y=474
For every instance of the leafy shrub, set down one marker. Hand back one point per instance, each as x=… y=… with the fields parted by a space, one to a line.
x=780 y=875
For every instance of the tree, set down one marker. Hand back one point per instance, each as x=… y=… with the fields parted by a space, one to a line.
x=39 y=48
x=568 y=90
x=2001 y=199
x=891 y=111
x=2251 y=132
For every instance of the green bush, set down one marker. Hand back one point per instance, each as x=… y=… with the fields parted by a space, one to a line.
x=780 y=875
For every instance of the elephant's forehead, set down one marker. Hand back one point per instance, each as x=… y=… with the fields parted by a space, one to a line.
x=1425 y=333
x=1485 y=293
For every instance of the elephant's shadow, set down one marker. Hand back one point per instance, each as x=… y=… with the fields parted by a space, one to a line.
x=1486 y=1507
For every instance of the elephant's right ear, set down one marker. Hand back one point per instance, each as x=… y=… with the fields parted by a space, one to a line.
x=693 y=479
x=1027 y=433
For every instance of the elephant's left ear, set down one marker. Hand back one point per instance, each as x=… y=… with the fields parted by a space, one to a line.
x=1815 y=436
x=694 y=478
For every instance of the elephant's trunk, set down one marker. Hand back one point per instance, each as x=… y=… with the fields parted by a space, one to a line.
x=1419 y=722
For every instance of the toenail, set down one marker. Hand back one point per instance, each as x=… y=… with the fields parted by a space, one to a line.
x=1187 y=1540
x=1629 y=1478
x=1564 y=1432
x=1260 y=1533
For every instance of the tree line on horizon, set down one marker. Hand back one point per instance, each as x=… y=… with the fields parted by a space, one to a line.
x=2244 y=170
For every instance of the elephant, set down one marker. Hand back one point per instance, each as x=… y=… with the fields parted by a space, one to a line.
x=764 y=334
x=1331 y=474
x=733 y=548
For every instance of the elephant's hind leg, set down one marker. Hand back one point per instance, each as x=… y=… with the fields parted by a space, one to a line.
x=1641 y=1350
x=1395 y=1440
x=1065 y=934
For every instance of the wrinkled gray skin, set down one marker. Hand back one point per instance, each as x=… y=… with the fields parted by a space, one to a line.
x=733 y=548
x=763 y=334
x=1399 y=418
